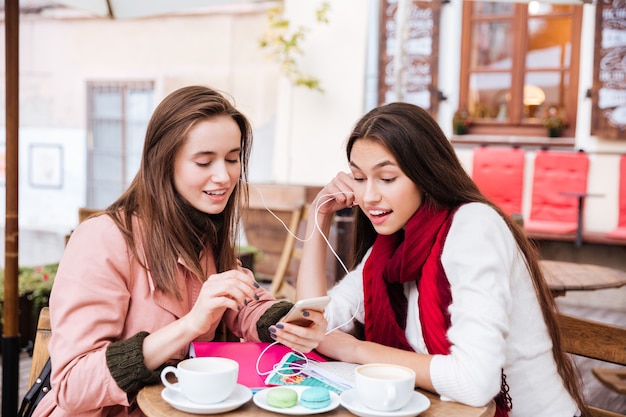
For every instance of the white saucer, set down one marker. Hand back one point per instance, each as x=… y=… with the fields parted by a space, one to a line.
x=239 y=397
x=260 y=399
x=417 y=404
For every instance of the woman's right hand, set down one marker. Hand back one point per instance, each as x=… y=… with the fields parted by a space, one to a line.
x=231 y=289
x=336 y=195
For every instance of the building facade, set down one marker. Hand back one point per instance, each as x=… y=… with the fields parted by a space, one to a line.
x=89 y=84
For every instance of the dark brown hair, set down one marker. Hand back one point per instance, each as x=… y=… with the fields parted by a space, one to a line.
x=425 y=155
x=169 y=226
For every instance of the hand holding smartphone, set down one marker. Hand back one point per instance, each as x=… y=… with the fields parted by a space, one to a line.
x=295 y=314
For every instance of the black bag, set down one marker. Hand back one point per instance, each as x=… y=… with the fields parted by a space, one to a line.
x=36 y=392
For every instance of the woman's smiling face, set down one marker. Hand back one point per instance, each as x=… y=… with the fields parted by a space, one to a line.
x=385 y=194
x=208 y=165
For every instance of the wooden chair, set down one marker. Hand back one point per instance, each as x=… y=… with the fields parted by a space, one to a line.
x=499 y=174
x=280 y=287
x=271 y=233
x=83 y=214
x=40 y=349
x=594 y=340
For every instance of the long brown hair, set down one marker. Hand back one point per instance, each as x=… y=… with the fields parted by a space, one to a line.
x=169 y=226
x=425 y=155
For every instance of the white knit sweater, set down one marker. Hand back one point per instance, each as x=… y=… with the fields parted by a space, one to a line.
x=496 y=321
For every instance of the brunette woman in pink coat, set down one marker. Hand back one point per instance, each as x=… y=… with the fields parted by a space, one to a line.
x=157 y=269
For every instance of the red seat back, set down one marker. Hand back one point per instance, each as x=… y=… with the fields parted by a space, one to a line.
x=499 y=174
x=555 y=174
x=622 y=192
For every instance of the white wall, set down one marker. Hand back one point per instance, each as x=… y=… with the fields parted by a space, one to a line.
x=50 y=191
x=60 y=54
x=449 y=63
x=44 y=203
x=42 y=206
x=299 y=134
x=312 y=126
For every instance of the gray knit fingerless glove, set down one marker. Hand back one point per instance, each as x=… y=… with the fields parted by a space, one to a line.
x=125 y=362
x=271 y=317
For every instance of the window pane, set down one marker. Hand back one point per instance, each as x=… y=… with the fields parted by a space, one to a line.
x=107 y=167
x=139 y=104
x=107 y=104
x=536 y=8
x=532 y=100
x=489 y=8
x=544 y=89
x=549 y=43
x=489 y=95
x=106 y=194
x=491 y=45
x=107 y=135
x=120 y=114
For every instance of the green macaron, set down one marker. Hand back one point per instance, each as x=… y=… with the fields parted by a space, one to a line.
x=282 y=397
x=315 y=397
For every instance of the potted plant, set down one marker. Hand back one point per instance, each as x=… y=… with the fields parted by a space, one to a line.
x=461 y=121
x=554 y=121
x=34 y=286
x=247 y=254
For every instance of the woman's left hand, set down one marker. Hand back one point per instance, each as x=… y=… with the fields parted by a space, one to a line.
x=300 y=338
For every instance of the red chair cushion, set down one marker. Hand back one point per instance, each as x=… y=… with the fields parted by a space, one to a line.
x=619 y=233
x=551 y=227
x=555 y=174
x=499 y=174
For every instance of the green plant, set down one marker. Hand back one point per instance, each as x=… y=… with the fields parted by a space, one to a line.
x=554 y=118
x=248 y=255
x=241 y=249
x=461 y=120
x=284 y=44
x=34 y=283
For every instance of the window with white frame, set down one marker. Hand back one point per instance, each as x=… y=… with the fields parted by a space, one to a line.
x=118 y=114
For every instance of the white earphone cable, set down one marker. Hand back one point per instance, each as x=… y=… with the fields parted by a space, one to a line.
x=294 y=368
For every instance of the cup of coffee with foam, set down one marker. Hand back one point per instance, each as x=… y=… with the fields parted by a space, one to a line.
x=384 y=387
x=207 y=380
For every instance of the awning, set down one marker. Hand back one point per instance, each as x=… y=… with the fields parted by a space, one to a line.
x=128 y=9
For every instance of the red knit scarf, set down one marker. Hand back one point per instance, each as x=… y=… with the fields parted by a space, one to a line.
x=413 y=254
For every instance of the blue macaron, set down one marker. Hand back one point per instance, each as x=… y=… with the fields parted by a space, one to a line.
x=315 y=397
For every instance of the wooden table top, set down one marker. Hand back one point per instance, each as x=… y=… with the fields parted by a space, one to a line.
x=570 y=276
x=153 y=405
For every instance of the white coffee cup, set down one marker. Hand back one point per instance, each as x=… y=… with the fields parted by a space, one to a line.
x=384 y=387
x=206 y=380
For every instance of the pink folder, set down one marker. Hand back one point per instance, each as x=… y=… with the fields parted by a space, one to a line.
x=247 y=353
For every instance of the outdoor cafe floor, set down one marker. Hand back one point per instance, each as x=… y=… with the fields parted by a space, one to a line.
x=604 y=305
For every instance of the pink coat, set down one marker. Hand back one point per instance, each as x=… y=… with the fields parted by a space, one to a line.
x=101 y=294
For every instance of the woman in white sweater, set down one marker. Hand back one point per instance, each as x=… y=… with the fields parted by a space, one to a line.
x=444 y=282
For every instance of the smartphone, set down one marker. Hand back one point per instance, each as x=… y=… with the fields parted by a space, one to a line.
x=295 y=314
